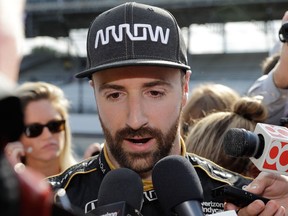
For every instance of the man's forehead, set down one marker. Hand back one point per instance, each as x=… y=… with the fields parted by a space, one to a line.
x=133 y=72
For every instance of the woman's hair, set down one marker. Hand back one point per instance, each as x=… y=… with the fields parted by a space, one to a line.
x=269 y=63
x=206 y=136
x=204 y=99
x=35 y=91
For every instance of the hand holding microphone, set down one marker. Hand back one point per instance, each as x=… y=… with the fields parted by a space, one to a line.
x=267 y=147
x=268 y=185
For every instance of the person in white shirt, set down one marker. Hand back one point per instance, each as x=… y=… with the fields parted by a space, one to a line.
x=273 y=87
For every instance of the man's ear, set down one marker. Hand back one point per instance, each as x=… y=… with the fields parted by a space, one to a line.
x=186 y=87
x=91 y=83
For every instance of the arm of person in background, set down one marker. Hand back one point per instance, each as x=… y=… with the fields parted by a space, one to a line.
x=11 y=37
x=274 y=86
x=272 y=186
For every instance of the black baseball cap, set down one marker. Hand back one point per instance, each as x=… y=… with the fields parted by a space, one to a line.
x=134 y=34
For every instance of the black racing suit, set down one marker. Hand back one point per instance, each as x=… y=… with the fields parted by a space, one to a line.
x=82 y=182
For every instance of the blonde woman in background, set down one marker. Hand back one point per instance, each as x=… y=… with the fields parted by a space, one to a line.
x=206 y=136
x=204 y=99
x=45 y=144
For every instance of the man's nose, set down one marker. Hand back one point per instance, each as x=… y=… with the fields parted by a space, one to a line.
x=136 y=113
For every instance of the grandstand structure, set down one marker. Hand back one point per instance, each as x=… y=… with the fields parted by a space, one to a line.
x=57 y=18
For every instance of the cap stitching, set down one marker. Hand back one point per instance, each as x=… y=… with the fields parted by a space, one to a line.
x=125 y=19
x=132 y=21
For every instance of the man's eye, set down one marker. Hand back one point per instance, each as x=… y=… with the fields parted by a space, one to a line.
x=156 y=93
x=114 y=95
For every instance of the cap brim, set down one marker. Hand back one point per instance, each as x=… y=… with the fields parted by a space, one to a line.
x=131 y=62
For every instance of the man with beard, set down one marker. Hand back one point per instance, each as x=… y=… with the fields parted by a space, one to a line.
x=137 y=66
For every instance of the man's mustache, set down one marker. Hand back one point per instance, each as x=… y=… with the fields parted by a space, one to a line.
x=143 y=131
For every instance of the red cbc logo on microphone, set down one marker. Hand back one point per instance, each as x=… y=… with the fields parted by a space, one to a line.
x=277 y=157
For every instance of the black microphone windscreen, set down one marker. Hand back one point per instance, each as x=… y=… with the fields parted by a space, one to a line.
x=176 y=181
x=121 y=185
x=239 y=142
x=11 y=130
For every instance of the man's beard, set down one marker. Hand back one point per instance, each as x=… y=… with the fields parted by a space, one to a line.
x=140 y=162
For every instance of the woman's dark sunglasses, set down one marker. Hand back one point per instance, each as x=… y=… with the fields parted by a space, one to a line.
x=34 y=130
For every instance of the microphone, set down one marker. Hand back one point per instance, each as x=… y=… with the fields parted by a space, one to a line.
x=177 y=186
x=120 y=193
x=266 y=146
x=10 y=131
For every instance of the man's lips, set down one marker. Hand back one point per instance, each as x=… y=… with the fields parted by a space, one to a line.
x=138 y=140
